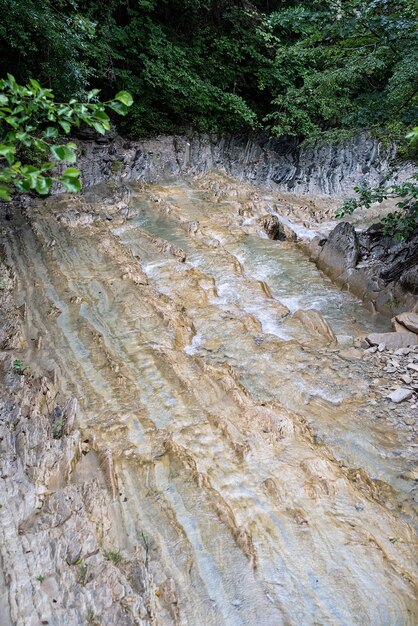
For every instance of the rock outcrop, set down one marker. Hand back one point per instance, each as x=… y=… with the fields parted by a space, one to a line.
x=59 y=542
x=280 y=164
x=376 y=268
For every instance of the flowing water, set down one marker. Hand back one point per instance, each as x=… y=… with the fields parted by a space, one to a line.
x=248 y=457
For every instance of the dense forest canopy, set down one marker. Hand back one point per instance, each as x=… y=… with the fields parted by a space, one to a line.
x=309 y=69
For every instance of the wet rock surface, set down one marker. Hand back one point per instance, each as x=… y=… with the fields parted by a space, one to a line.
x=375 y=268
x=228 y=462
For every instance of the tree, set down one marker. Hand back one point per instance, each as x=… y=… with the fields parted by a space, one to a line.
x=323 y=69
x=32 y=126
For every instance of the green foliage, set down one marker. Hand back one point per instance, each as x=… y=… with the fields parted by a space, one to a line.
x=346 y=65
x=115 y=557
x=53 y=40
x=403 y=222
x=18 y=366
x=400 y=224
x=321 y=69
x=31 y=126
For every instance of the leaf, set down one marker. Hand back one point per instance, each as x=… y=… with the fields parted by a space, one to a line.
x=7 y=152
x=64 y=153
x=65 y=125
x=98 y=127
x=45 y=167
x=13 y=121
x=118 y=107
x=40 y=145
x=4 y=193
x=43 y=185
x=125 y=97
x=91 y=94
x=71 y=172
x=30 y=169
x=72 y=185
x=35 y=85
x=101 y=115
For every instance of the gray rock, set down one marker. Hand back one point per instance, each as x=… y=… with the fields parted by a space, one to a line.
x=408 y=320
x=399 y=395
x=278 y=163
x=405 y=378
x=413 y=367
x=340 y=253
x=393 y=341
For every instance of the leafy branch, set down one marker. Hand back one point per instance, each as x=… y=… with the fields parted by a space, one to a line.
x=31 y=124
x=401 y=223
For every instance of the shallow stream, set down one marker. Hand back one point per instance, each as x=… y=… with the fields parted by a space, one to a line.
x=249 y=455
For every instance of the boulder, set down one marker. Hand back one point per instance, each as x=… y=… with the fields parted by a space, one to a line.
x=399 y=395
x=275 y=229
x=409 y=279
x=393 y=341
x=271 y=226
x=409 y=320
x=315 y=324
x=340 y=252
x=398 y=327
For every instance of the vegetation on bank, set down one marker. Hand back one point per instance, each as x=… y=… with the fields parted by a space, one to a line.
x=32 y=134
x=317 y=69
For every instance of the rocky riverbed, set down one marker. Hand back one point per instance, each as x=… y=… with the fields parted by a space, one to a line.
x=193 y=431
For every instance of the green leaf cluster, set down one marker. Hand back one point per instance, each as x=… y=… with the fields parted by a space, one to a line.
x=32 y=134
x=401 y=223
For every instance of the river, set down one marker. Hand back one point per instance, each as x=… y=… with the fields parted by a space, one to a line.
x=247 y=452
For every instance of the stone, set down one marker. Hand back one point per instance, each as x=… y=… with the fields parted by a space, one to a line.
x=398 y=327
x=413 y=367
x=402 y=351
x=341 y=251
x=350 y=354
x=408 y=320
x=409 y=279
x=313 y=322
x=405 y=378
x=393 y=341
x=271 y=226
x=399 y=395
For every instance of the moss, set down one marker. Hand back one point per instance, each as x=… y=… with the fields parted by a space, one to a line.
x=116 y=167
